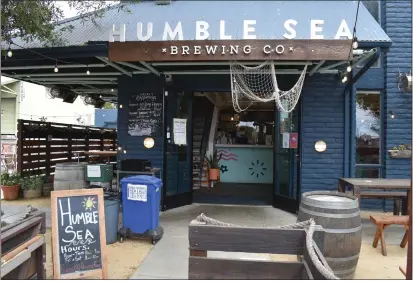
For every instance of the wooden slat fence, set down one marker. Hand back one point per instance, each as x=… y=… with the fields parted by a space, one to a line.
x=42 y=145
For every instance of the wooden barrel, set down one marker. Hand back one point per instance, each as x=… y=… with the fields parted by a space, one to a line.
x=69 y=176
x=339 y=215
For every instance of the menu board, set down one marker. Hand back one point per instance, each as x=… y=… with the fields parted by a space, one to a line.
x=79 y=239
x=145 y=114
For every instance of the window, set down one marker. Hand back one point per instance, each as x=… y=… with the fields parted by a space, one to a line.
x=373 y=6
x=368 y=133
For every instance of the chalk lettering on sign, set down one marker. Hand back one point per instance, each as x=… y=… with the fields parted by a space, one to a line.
x=145 y=114
x=78 y=232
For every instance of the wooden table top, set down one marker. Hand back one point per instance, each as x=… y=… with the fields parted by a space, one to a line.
x=372 y=183
x=101 y=153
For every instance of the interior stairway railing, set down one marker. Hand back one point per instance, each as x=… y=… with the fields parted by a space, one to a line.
x=202 y=117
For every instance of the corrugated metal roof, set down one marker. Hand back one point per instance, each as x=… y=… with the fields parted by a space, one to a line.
x=269 y=15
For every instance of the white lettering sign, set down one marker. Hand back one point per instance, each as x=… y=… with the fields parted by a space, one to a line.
x=315 y=28
x=223 y=49
x=175 y=31
x=172 y=34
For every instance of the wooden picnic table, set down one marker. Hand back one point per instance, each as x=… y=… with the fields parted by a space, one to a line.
x=392 y=185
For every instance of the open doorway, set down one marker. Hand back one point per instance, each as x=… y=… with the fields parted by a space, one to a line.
x=244 y=142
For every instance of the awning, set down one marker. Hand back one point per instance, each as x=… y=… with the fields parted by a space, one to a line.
x=86 y=45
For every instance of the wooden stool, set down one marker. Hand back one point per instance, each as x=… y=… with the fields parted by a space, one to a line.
x=382 y=222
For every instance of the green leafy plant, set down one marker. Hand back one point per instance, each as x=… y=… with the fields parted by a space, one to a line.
x=213 y=160
x=32 y=183
x=402 y=147
x=10 y=179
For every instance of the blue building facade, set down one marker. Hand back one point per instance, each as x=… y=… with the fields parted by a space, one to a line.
x=324 y=115
x=331 y=112
x=359 y=119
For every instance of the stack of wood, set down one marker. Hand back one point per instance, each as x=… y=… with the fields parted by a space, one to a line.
x=23 y=248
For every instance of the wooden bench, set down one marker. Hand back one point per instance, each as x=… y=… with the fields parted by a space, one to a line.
x=382 y=222
x=397 y=196
x=204 y=238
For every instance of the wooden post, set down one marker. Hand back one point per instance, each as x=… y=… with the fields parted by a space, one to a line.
x=87 y=143
x=49 y=131
x=409 y=244
x=70 y=142
x=20 y=136
x=102 y=147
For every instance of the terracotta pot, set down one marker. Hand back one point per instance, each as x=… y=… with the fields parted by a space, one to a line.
x=214 y=174
x=10 y=192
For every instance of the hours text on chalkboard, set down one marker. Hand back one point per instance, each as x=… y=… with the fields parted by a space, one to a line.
x=145 y=114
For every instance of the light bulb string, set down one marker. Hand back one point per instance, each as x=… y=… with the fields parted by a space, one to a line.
x=44 y=56
x=354 y=31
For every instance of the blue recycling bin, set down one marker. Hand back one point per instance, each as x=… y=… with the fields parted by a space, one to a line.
x=141 y=197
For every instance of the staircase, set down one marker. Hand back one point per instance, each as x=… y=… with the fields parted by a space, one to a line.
x=202 y=116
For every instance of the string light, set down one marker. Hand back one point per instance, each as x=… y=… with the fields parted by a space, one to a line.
x=9 y=52
x=120 y=106
x=391 y=115
x=111 y=90
x=87 y=71
x=355 y=43
x=55 y=68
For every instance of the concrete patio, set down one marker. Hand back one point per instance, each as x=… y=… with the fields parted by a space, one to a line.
x=168 y=259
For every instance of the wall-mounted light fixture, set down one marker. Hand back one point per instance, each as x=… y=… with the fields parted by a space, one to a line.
x=148 y=142
x=320 y=146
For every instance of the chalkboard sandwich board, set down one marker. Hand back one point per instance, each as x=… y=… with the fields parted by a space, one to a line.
x=78 y=234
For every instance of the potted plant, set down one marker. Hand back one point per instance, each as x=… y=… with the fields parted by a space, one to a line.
x=401 y=151
x=32 y=187
x=10 y=185
x=213 y=165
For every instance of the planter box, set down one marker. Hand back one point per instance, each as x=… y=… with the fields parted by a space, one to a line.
x=32 y=193
x=400 y=153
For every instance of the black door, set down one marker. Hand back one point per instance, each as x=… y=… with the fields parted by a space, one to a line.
x=177 y=189
x=287 y=160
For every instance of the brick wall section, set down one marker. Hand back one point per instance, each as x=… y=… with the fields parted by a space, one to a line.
x=398 y=26
x=323 y=119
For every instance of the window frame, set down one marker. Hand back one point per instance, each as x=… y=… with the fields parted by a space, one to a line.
x=381 y=164
x=379 y=20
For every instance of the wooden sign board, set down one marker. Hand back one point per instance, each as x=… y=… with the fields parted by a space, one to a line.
x=78 y=234
x=226 y=50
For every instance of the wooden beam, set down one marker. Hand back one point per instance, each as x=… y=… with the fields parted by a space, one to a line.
x=131 y=65
x=214 y=268
x=238 y=239
x=225 y=50
x=114 y=65
x=151 y=69
x=315 y=68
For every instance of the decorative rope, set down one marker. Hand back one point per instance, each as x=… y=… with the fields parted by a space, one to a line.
x=310 y=224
